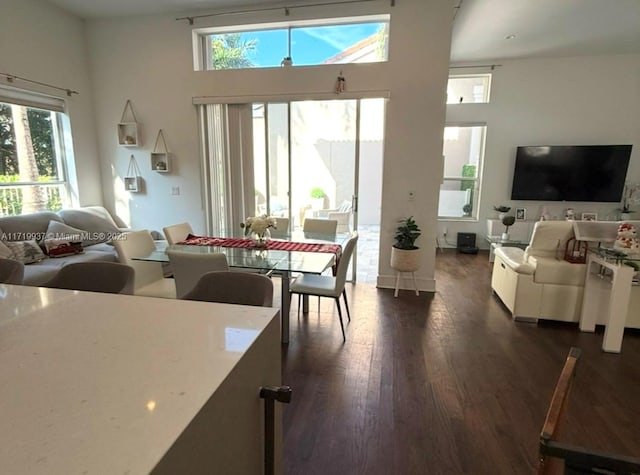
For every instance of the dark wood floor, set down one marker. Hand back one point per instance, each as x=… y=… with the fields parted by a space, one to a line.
x=445 y=383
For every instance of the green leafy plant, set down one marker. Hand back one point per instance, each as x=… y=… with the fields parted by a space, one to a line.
x=466 y=209
x=406 y=234
x=502 y=208
x=317 y=192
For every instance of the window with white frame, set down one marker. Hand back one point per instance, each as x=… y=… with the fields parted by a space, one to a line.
x=32 y=153
x=463 y=152
x=302 y=43
x=468 y=89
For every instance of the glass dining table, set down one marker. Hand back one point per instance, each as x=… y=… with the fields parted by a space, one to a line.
x=268 y=261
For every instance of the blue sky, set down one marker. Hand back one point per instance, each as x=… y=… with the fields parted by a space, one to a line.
x=309 y=45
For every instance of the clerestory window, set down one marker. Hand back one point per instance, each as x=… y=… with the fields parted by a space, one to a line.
x=304 y=43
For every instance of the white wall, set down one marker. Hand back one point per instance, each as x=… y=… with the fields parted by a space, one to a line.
x=43 y=43
x=560 y=101
x=149 y=60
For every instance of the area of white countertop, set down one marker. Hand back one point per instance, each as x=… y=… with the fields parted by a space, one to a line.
x=101 y=383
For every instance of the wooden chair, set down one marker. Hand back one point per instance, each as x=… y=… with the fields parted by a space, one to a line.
x=559 y=458
x=241 y=288
x=106 y=277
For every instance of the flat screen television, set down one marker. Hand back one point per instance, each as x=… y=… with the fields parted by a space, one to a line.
x=570 y=173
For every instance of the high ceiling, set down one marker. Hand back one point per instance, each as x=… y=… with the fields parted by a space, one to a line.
x=536 y=28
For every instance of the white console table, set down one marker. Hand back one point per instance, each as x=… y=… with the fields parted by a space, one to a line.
x=100 y=383
x=606 y=296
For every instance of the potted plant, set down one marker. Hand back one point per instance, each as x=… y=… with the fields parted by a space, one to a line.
x=630 y=196
x=405 y=255
x=317 y=198
x=502 y=210
x=466 y=209
x=507 y=221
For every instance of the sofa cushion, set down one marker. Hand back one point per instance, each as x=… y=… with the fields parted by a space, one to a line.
x=550 y=270
x=95 y=220
x=26 y=252
x=26 y=227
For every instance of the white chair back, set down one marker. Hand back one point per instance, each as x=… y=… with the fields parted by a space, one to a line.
x=240 y=288
x=343 y=264
x=282 y=228
x=177 y=232
x=136 y=244
x=320 y=226
x=188 y=267
x=549 y=239
x=107 y=277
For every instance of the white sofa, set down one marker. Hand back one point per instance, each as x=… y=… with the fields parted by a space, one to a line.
x=96 y=222
x=538 y=283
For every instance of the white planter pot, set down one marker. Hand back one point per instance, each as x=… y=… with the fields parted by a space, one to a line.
x=405 y=260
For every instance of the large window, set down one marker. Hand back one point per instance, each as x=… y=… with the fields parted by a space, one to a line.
x=463 y=153
x=468 y=89
x=352 y=40
x=32 y=171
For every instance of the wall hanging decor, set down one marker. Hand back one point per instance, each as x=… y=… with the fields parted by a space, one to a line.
x=128 y=130
x=133 y=181
x=160 y=157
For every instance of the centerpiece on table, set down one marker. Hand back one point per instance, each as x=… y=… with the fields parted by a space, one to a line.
x=257 y=229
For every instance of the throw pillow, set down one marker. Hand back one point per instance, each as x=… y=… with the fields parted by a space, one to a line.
x=94 y=219
x=26 y=252
x=5 y=252
x=60 y=231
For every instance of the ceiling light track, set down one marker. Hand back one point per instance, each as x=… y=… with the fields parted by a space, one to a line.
x=484 y=66
x=286 y=9
x=11 y=78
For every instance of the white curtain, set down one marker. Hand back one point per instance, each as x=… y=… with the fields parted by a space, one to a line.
x=227 y=166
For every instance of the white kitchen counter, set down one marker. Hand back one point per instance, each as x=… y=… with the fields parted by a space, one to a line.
x=114 y=384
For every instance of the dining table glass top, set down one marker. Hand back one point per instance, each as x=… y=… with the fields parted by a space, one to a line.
x=267 y=260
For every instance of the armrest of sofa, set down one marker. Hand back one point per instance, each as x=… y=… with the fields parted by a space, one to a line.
x=515 y=259
x=550 y=270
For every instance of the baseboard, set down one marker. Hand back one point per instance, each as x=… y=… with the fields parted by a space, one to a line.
x=406 y=283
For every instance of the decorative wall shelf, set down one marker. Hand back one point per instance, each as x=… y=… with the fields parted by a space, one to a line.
x=128 y=130
x=160 y=157
x=133 y=182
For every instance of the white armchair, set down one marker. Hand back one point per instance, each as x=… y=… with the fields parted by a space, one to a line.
x=342 y=215
x=538 y=283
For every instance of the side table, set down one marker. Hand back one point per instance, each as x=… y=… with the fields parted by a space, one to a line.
x=608 y=296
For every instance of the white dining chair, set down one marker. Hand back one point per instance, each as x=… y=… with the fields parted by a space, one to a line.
x=320 y=226
x=11 y=271
x=242 y=288
x=106 y=277
x=328 y=285
x=188 y=267
x=149 y=278
x=177 y=232
x=281 y=230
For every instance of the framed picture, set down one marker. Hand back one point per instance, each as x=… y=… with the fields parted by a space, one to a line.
x=589 y=216
x=521 y=214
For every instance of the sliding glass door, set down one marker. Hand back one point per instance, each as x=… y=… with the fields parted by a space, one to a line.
x=304 y=163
